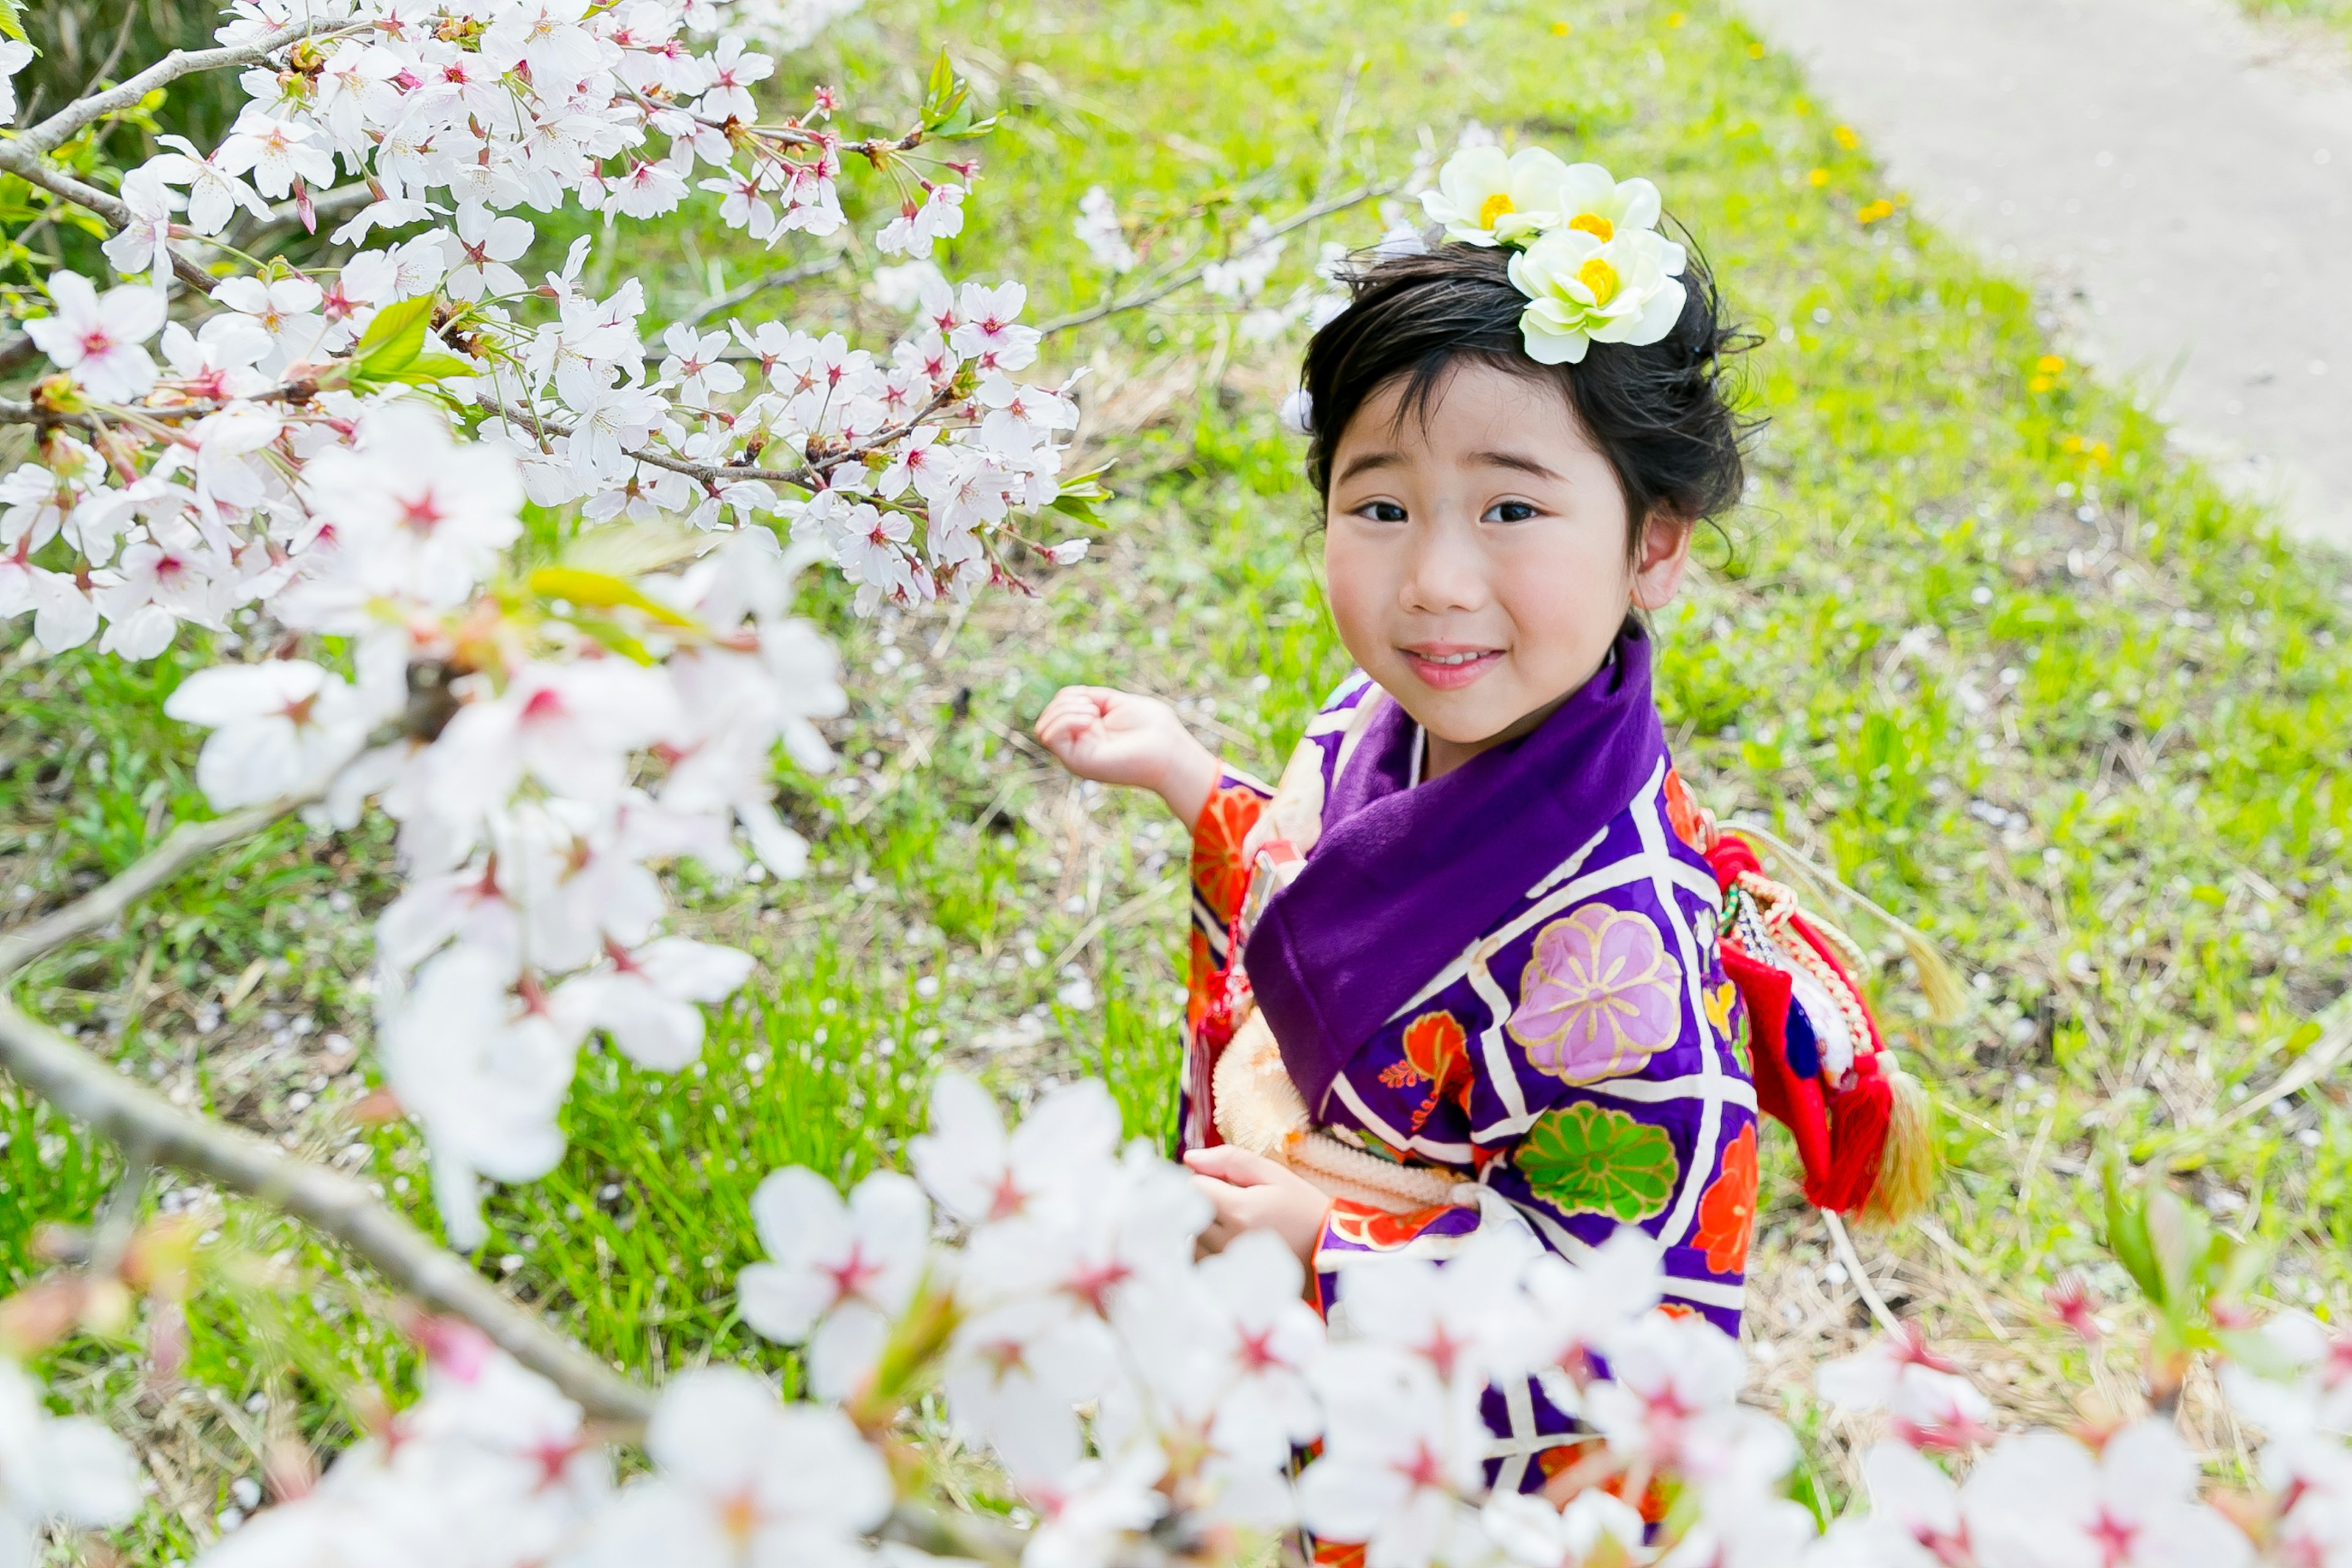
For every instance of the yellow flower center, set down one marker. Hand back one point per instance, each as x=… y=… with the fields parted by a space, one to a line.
x=1593 y=224
x=1493 y=208
x=1600 y=277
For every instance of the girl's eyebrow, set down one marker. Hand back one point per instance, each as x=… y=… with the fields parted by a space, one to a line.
x=1367 y=462
x=1514 y=461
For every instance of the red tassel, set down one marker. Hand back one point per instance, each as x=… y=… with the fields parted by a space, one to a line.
x=1860 y=1115
x=1791 y=1098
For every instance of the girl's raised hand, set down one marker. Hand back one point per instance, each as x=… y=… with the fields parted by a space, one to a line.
x=1120 y=738
x=1253 y=1192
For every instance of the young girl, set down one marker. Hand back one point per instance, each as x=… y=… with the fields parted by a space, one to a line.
x=1461 y=967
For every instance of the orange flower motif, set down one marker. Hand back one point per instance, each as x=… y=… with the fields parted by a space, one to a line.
x=1338 y=1553
x=1436 y=1052
x=1686 y=816
x=1726 y=1214
x=1218 y=868
x=1377 y=1228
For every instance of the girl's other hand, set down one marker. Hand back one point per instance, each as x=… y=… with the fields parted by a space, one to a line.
x=1253 y=1192
x=1119 y=738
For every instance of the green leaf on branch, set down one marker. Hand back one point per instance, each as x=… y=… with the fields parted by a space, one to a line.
x=602 y=590
x=394 y=349
x=944 y=94
x=12 y=22
x=1081 y=496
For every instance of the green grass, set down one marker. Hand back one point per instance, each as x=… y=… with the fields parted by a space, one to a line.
x=1981 y=641
x=2335 y=15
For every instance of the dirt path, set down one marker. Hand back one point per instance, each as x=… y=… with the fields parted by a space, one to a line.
x=2176 y=181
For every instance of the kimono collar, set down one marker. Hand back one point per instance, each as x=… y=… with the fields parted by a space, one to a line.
x=1402 y=879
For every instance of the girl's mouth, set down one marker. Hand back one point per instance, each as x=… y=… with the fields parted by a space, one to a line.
x=1446 y=667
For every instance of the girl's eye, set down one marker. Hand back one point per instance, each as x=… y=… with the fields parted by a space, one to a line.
x=1382 y=511
x=1510 y=512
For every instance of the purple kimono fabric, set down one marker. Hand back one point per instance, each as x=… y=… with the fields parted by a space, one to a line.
x=1510 y=973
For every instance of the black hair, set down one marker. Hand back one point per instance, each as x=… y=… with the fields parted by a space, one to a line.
x=1661 y=413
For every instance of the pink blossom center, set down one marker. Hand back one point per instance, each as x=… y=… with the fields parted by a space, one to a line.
x=1423 y=1470
x=2115 y=1537
x=851 y=1275
x=1094 y=1285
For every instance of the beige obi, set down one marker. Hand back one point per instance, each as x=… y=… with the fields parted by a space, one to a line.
x=1258 y=1109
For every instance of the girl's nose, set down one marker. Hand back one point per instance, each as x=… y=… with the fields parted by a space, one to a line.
x=1443 y=570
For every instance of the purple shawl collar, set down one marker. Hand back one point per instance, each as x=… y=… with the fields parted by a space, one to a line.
x=1403 y=879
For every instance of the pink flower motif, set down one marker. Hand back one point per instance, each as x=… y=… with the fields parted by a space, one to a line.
x=1599 y=995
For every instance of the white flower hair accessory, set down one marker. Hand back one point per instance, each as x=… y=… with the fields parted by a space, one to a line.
x=1590 y=258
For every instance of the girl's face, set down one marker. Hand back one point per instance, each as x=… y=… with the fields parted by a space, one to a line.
x=1476 y=559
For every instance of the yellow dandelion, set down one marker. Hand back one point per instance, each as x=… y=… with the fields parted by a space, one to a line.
x=1677 y=20
x=1872 y=212
x=2050 y=364
x=1458 y=19
x=2040 y=383
x=1817 y=177
x=2099 y=452
x=1846 y=138
x=2071 y=444
x=1754 y=51
x=1561 y=29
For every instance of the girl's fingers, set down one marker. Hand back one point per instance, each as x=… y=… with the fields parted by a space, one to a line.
x=1236 y=1167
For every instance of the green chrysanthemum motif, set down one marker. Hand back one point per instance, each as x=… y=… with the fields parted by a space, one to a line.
x=1584 y=1159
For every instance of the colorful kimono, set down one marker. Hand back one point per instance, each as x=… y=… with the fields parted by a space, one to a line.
x=1501 y=987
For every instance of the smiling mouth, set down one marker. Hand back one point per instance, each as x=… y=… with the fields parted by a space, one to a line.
x=1450 y=668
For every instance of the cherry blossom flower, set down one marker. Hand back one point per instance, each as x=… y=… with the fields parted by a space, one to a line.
x=743 y=1482
x=975 y=1172
x=838 y=1273
x=14 y=57
x=278 y=727
x=485 y=1067
x=1099 y=230
x=733 y=71
x=2043 y=1498
x=215 y=195
x=143 y=245
x=67 y=1468
x=95 y=338
x=1930 y=1404
x=1400 y=1462
x=287 y=309
x=646 y=999
x=275 y=152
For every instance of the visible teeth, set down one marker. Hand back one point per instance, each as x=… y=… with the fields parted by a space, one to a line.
x=1450 y=658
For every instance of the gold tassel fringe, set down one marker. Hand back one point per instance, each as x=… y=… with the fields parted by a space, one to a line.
x=1907 y=1171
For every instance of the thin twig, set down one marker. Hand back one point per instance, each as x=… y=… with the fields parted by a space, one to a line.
x=336 y=1205
x=1156 y=292
x=52 y=132
x=1861 y=1280
x=782 y=276
x=189 y=842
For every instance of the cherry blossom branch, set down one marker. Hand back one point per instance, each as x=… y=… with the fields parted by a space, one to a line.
x=1152 y=294
x=147 y=1125
x=19 y=158
x=52 y=132
x=809 y=476
x=187 y=843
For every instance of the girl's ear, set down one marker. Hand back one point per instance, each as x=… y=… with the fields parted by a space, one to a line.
x=1658 y=562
